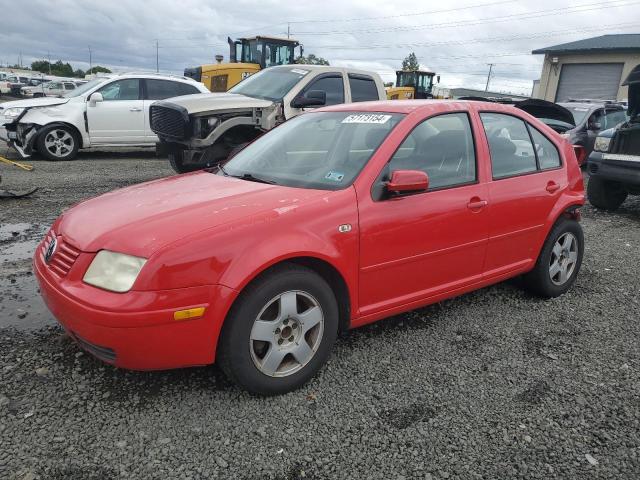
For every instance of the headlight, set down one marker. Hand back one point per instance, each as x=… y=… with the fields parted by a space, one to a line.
x=114 y=271
x=13 y=112
x=602 y=144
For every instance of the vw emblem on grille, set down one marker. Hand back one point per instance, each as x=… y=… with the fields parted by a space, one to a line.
x=51 y=249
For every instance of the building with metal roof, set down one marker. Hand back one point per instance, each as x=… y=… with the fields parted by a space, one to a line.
x=590 y=68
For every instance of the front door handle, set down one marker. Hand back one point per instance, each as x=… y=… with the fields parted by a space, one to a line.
x=552 y=187
x=135 y=109
x=476 y=204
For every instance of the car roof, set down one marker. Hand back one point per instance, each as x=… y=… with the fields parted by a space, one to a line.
x=316 y=68
x=409 y=106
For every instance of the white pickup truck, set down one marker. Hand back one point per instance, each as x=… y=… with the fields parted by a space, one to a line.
x=203 y=130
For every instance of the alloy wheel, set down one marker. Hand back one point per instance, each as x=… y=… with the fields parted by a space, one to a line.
x=564 y=257
x=286 y=333
x=59 y=142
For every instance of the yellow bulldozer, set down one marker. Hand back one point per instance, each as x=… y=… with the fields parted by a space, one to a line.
x=246 y=57
x=412 y=84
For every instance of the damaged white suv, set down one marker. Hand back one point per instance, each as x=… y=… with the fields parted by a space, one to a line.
x=111 y=110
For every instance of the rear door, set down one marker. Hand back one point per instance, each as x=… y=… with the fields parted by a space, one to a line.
x=119 y=118
x=527 y=179
x=156 y=89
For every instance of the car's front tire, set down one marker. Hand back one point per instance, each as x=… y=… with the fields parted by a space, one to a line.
x=605 y=194
x=280 y=331
x=559 y=261
x=58 y=142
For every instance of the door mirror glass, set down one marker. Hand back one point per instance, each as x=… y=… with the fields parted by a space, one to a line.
x=312 y=98
x=95 y=98
x=408 y=181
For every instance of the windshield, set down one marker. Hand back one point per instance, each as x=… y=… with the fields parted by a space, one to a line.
x=270 y=84
x=84 y=87
x=323 y=150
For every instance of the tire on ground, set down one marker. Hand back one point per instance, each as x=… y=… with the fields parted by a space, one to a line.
x=67 y=146
x=605 y=194
x=234 y=347
x=538 y=280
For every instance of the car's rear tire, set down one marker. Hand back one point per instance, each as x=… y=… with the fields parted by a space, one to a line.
x=58 y=142
x=605 y=194
x=280 y=331
x=559 y=261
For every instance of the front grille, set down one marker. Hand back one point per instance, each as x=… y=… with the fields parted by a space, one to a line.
x=593 y=168
x=169 y=121
x=64 y=255
x=105 y=354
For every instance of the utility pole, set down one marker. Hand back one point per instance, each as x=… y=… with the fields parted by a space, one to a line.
x=49 y=57
x=20 y=59
x=157 y=57
x=288 y=29
x=90 y=60
x=486 y=88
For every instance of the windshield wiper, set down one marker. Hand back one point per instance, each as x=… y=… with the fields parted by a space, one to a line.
x=252 y=178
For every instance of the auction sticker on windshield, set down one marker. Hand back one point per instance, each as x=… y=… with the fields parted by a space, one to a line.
x=299 y=72
x=367 y=118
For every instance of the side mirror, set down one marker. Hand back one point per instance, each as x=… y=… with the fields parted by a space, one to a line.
x=95 y=98
x=313 y=98
x=408 y=181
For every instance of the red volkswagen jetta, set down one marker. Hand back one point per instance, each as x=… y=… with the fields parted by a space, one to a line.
x=337 y=218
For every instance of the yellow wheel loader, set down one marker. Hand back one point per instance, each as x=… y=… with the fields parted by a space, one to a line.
x=412 y=84
x=246 y=57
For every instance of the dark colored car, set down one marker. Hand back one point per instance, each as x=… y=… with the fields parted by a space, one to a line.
x=590 y=118
x=614 y=165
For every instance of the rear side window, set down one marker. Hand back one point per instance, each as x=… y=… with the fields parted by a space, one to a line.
x=332 y=86
x=363 y=88
x=548 y=156
x=509 y=144
x=443 y=148
x=161 y=89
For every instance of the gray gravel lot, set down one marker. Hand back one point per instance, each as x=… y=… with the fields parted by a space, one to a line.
x=495 y=384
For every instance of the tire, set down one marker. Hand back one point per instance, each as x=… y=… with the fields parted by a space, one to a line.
x=58 y=142
x=176 y=162
x=563 y=250
x=290 y=353
x=605 y=194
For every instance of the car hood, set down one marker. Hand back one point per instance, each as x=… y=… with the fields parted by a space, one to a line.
x=36 y=102
x=207 y=102
x=633 y=82
x=141 y=219
x=544 y=109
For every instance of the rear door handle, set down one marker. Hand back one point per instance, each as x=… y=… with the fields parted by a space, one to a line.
x=135 y=109
x=552 y=187
x=476 y=204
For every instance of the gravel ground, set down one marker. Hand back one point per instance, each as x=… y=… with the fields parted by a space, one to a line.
x=495 y=384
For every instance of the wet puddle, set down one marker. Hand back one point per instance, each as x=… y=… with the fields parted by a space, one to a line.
x=21 y=306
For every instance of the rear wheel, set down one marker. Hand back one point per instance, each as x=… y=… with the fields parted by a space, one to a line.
x=58 y=143
x=280 y=332
x=605 y=194
x=559 y=261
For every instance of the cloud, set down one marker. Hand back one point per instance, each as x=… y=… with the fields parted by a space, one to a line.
x=456 y=41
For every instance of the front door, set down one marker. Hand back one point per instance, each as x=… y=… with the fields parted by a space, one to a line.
x=417 y=246
x=119 y=118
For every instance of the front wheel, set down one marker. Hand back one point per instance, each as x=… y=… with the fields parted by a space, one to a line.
x=280 y=332
x=58 y=143
x=559 y=261
x=605 y=194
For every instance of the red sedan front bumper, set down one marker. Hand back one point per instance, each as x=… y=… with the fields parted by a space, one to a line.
x=134 y=330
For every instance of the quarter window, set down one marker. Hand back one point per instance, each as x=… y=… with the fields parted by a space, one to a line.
x=510 y=145
x=363 y=88
x=128 y=89
x=332 y=86
x=548 y=156
x=442 y=147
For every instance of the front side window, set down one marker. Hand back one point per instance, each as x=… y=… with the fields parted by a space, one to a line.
x=614 y=117
x=321 y=150
x=443 y=148
x=128 y=89
x=509 y=145
x=363 y=88
x=69 y=86
x=332 y=86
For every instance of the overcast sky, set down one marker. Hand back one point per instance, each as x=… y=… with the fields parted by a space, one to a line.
x=457 y=38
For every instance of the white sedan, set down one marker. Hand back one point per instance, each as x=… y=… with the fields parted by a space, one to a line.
x=111 y=110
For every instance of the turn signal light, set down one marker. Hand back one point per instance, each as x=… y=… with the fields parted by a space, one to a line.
x=189 y=313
